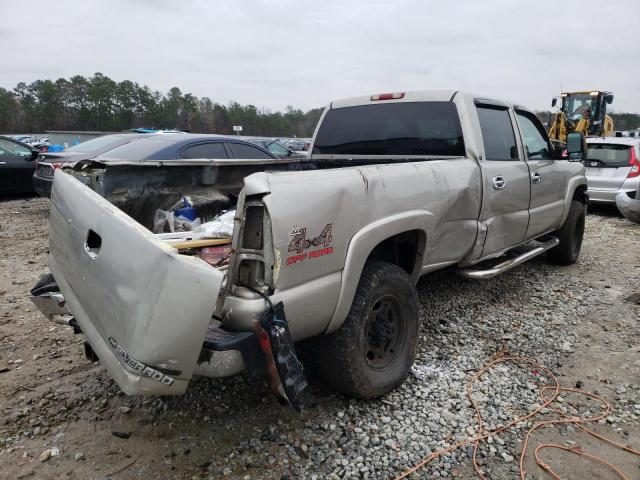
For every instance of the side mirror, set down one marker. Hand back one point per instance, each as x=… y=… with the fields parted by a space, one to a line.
x=554 y=101
x=609 y=98
x=34 y=154
x=576 y=147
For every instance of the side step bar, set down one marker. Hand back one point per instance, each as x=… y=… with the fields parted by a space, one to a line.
x=508 y=264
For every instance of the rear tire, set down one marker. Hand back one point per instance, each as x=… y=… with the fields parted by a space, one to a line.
x=372 y=352
x=570 y=234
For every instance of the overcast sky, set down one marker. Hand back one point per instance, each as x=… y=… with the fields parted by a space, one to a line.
x=306 y=53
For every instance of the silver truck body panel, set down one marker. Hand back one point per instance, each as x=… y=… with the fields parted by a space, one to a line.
x=366 y=205
x=143 y=308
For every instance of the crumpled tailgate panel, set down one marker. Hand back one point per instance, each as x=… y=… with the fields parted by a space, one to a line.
x=138 y=302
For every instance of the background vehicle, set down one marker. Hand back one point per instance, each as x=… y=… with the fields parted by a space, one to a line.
x=48 y=162
x=17 y=163
x=174 y=146
x=613 y=165
x=397 y=185
x=275 y=146
x=584 y=112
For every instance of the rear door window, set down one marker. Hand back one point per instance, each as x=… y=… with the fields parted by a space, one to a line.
x=404 y=128
x=244 y=151
x=497 y=133
x=608 y=155
x=213 y=150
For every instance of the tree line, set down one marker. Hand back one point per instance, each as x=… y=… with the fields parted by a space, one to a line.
x=102 y=104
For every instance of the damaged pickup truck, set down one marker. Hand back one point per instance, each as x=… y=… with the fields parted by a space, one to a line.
x=396 y=186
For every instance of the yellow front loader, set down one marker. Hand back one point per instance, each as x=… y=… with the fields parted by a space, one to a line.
x=584 y=112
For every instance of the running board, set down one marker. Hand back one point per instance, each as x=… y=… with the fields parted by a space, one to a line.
x=508 y=264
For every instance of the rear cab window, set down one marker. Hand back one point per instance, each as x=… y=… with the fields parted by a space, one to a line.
x=403 y=128
x=608 y=155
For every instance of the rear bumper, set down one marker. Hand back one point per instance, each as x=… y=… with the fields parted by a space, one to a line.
x=42 y=185
x=609 y=195
x=629 y=207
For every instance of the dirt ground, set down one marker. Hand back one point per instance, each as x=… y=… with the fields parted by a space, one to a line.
x=51 y=396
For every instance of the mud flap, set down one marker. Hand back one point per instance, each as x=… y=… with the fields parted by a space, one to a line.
x=284 y=370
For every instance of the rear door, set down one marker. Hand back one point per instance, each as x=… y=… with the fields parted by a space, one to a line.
x=16 y=167
x=549 y=178
x=506 y=187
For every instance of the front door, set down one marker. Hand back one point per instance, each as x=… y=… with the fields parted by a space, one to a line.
x=16 y=167
x=506 y=187
x=548 y=177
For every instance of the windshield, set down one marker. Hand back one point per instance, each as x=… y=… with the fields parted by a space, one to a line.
x=402 y=128
x=576 y=104
x=277 y=149
x=610 y=155
x=96 y=144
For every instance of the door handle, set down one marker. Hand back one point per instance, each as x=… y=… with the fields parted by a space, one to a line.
x=536 y=178
x=499 y=183
x=3 y=163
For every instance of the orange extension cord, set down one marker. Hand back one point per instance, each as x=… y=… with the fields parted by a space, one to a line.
x=555 y=389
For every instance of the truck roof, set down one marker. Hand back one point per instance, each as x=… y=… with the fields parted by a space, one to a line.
x=408 y=96
x=419 y=96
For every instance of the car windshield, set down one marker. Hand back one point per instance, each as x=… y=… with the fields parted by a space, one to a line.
x=96 y=144
x=576 y=104
x=611 y=155
x=277 y=149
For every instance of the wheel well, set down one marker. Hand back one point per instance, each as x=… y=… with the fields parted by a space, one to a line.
x=581 y=194
x=404 y=249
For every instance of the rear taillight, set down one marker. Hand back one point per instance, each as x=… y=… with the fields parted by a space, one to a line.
x=55 y=165
x=634 y=161
x=387 y=96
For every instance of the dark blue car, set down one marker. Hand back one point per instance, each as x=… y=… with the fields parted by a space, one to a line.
x=174 y=146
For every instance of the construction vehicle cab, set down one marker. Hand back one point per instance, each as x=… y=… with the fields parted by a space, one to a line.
x=584 y=112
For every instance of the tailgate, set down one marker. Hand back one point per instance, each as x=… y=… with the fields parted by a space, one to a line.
x=143 y=307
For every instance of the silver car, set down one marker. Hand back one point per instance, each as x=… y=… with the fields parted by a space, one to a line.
x=613 y=165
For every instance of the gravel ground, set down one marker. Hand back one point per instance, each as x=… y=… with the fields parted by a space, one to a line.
x=63 y=417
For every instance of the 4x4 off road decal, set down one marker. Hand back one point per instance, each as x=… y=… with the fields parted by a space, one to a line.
x=299 y=243
x=140 y=367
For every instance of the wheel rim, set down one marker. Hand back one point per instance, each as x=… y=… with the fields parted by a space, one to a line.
x=383 y=332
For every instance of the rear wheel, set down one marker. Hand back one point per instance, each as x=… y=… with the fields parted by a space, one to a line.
x=372 y=352
x=570 y=235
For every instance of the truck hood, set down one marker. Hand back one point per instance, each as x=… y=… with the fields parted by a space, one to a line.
x=143 y=308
